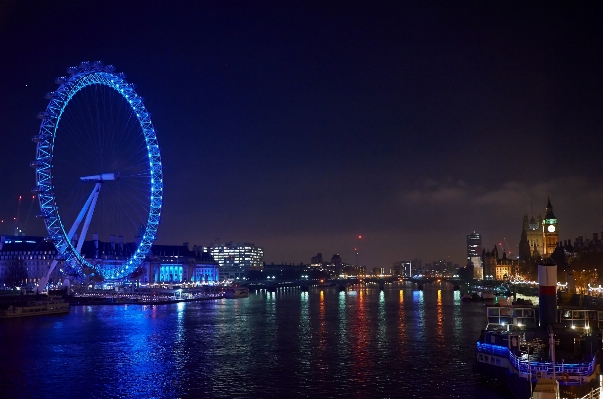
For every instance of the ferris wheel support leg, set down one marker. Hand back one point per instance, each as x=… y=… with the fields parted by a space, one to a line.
x=85 y=208
x=94 y=197
x=88 y=210
x=43 y=282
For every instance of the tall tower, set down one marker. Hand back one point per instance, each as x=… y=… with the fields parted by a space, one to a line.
x=474 y=254
x=550 y=235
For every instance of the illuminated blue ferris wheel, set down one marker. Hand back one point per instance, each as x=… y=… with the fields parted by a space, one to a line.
x=97 y=134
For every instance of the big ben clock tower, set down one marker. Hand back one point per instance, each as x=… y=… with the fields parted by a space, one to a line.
x=549 y=231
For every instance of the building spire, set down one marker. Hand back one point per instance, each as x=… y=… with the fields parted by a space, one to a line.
x=549 y=210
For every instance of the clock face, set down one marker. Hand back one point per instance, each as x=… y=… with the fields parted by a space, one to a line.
x=551 y=228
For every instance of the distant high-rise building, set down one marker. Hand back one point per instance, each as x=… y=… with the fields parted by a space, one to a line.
x=402 y=268
x=236 y=258
x=416 y=267
x=474 y=254
x=439 y=266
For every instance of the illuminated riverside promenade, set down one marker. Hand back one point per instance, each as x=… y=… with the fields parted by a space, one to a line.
x=363 y=342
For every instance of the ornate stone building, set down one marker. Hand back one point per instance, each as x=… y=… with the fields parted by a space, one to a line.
x=539 y=236
x=498 y=269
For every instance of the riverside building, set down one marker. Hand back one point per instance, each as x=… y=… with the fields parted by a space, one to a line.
x=235 y=259
x=24 y=260
x=474 y=254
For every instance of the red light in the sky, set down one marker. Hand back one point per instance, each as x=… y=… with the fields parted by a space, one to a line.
x=359 y=236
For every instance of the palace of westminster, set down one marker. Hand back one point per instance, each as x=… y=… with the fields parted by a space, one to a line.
x=539 y=239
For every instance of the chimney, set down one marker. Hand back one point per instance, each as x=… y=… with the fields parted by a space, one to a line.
x=112 y=240
x=121 y=244
x=547 y=290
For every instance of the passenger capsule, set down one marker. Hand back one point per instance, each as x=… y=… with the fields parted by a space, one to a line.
x=85 y=65
x=121 y=75
x=109 y=68
x=42 y=215
x=39 y=138
x=48 y=238
x=60 y=80
x=37 y=190
x=50 y=95
x=98 y=65
x=34 y=164
x=42 y=115
x=72 y=70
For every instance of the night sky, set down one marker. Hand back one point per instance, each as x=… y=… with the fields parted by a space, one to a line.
x=300 y=125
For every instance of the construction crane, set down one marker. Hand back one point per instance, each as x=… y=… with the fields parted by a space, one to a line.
x=508 y=248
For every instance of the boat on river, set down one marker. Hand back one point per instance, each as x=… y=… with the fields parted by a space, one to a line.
x=542 y=348
x=35 y=308
x=236 y=292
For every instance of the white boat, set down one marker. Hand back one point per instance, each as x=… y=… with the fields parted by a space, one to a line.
x=36 y=308
x=233 y=293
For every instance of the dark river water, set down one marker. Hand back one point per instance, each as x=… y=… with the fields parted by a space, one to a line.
x=363 y=343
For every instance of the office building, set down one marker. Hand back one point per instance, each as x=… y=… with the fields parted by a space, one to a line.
x=474 y=254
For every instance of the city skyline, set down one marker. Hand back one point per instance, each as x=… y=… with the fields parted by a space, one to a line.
x=300 y=127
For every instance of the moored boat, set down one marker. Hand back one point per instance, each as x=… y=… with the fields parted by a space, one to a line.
x=35 y=308
x=542 y=347
x=236 y=292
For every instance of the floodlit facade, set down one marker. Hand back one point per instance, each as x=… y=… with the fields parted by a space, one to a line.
x=177 y=264
x=235 y=259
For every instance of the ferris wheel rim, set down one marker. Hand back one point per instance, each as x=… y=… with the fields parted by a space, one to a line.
x=85 y=75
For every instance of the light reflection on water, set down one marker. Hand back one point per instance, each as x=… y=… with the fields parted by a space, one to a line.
x=364 y=343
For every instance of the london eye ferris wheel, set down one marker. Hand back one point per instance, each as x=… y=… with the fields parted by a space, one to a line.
x=98 y=170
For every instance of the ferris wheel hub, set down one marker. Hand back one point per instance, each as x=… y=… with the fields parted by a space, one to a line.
x=101 y=177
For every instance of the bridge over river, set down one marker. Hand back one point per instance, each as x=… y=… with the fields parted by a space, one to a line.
x=344 y=283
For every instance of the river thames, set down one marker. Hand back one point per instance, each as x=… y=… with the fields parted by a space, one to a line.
x=362 y=343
